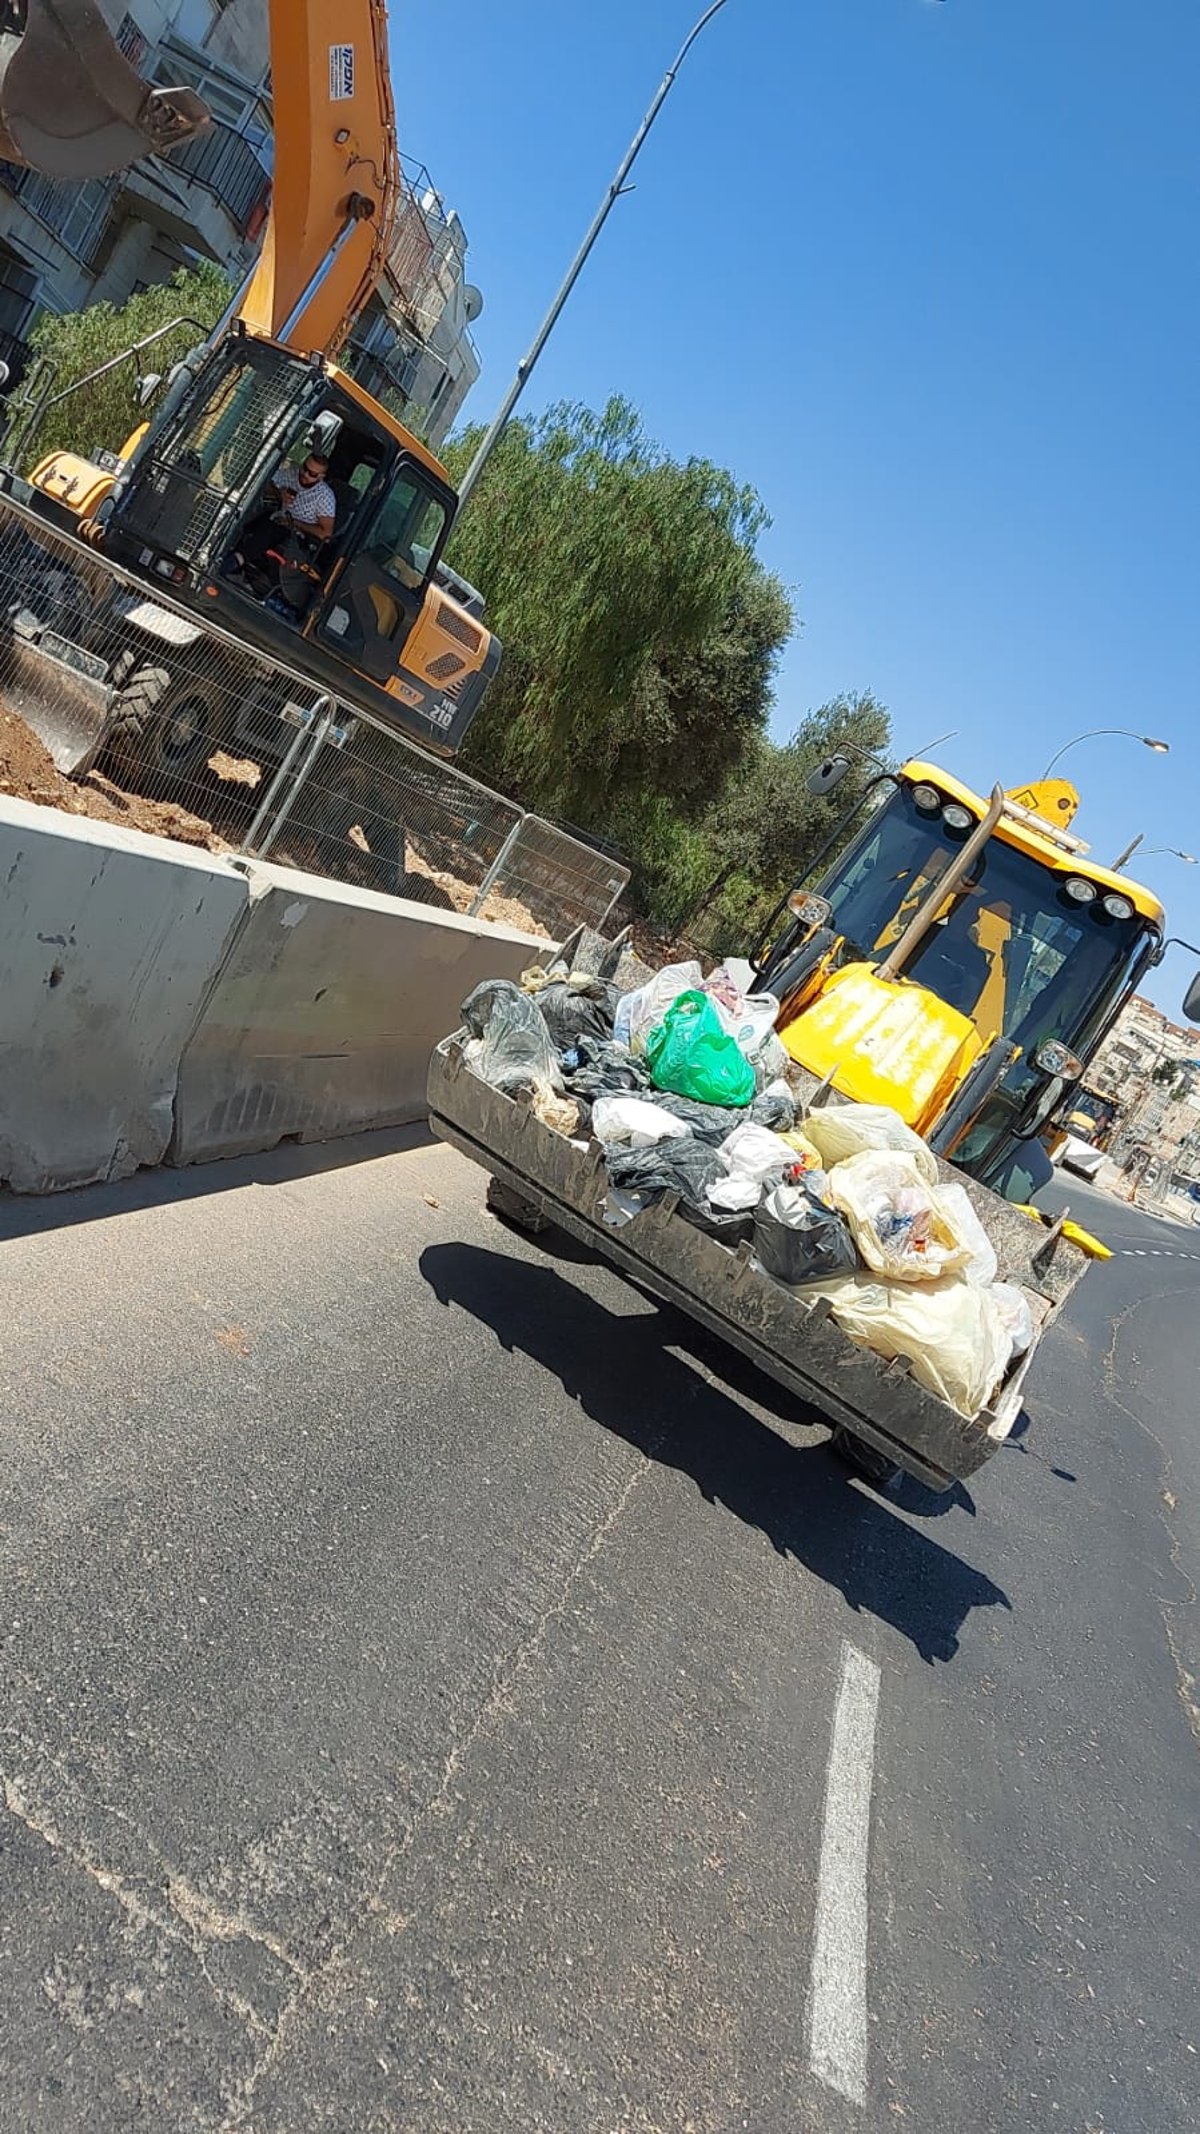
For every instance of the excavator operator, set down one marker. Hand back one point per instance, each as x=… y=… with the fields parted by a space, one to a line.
x=300 y=501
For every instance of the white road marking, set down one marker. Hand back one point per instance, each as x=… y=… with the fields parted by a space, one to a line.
x=837 y=2009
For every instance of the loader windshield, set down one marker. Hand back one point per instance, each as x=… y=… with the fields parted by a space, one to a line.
x=1011 y=949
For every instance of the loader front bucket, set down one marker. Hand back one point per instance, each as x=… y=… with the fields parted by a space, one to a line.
x=61 y=693
x=71 y=106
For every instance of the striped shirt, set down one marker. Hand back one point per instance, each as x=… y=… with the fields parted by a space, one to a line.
x=304 y=504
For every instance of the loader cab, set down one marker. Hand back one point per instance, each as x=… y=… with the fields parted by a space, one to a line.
x=1031 y=955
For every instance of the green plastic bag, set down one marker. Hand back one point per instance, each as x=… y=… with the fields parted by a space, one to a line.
x=689 y=1052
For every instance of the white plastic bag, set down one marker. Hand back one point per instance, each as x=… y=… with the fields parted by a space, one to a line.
x=633 y=1122
x=752 y=1156
x=638 y=1012
x=1014 y=1308
x=898 y=1223
x=950 y=1330
x=957 y=1207
x=841 y=1130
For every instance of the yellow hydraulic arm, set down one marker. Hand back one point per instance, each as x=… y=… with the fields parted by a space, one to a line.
x=333 y=203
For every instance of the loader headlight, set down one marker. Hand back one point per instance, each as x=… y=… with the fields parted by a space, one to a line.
x=927 y=799
x=956 y=817
x=1080 y=890
x=1116 y=907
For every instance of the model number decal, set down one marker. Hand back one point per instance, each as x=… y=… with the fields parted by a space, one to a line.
x=341 y=73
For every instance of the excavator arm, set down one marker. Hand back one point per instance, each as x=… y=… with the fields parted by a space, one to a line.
x=71 y=105
x=336 y=180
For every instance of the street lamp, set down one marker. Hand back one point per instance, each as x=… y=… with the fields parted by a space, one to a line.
x=1161 y=748
x=1188 y=858
x=503 y=415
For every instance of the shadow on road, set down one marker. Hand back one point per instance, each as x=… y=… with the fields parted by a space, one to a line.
x=625 y=1372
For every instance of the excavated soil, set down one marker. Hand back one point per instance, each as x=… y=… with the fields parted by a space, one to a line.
x=27 y=771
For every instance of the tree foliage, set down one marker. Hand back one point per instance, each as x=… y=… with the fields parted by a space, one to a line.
x=103 y=413
x=640 y=630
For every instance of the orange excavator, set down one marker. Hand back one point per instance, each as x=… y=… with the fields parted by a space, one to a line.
x=366 y=611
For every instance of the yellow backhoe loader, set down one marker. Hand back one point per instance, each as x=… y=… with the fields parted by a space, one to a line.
x=959 y=958
x=366 y=611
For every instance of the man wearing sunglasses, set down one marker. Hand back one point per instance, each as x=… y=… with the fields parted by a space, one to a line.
x=301 y=502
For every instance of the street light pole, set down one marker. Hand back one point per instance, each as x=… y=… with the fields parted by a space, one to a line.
x=503 y=415
x=1170 y=851
x=1160 y=748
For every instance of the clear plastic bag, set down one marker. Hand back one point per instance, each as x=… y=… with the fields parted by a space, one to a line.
x=633 y=1122
x=1016 y=1312
x=956 y=1205
x=638 y=1012
x=951 y=1332
x=899 y=1226
x=798 y=1239
x=515 y=1049
x=750 y=1157
x=689 y=1052
x=842 y=1130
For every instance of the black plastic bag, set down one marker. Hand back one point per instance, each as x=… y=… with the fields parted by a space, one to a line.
x=516 y=1049
x=680 y=1165
x=798 y=1239
x=683 y=1165
x=575 y=1009
x=592 y=1068
x=775 y=1110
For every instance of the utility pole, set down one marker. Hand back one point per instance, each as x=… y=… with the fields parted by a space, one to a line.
x=504 y=412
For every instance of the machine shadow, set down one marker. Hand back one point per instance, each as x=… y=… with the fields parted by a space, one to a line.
x=626 y=1373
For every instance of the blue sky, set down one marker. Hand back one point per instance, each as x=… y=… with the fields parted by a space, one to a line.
x=925 y=275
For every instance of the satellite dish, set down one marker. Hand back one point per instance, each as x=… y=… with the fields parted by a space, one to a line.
x=473 y=299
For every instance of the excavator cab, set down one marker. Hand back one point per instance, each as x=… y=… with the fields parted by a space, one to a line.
x=71 y=105
x=365 y=612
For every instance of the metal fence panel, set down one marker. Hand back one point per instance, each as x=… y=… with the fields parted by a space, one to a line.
x=179 y=729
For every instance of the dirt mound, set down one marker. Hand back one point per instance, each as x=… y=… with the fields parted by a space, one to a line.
x=27 y=771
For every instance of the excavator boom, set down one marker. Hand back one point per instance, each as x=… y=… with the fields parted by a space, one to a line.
x=333 y=203
x=71 y=105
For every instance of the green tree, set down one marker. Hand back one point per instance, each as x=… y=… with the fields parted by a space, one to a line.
x=765 y=825
x=640 y=630
x=103 y=413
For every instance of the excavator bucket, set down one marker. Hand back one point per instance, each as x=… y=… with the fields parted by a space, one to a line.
x=71 y=106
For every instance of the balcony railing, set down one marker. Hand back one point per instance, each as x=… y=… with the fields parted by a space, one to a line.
x=226 y=165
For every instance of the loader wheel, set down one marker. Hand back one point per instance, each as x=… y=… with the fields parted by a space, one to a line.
x=512 y=1207
x=862 y=1459
x=163 y=728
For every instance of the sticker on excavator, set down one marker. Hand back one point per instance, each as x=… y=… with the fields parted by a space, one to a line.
x=341 y=73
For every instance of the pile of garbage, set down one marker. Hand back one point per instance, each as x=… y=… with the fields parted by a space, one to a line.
x=685 y=1086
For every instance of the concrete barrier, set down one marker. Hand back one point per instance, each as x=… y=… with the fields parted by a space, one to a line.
x=109 y=942
x=324 y=1014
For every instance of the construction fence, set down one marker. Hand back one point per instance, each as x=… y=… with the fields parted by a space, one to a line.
x=148 y=719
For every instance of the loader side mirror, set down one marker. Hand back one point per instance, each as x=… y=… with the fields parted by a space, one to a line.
x=1055 y=1059
x=1191 y=1001
x=147 y=387
x=825 y=776
x=811 y=911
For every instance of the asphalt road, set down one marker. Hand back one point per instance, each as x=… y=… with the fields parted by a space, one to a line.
x=443 y=1693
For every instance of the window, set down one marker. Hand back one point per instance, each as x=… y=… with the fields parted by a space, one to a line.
x=1008 y=948
x=406 y=533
